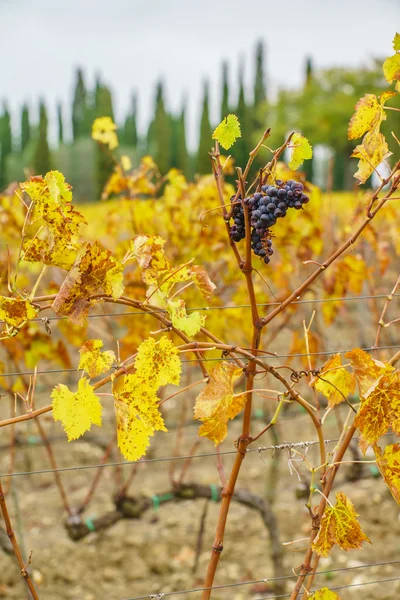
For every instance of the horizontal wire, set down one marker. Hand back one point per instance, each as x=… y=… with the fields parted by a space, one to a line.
x=226 y=307
x=259 y=449
x=191 y=360
x=271 y=579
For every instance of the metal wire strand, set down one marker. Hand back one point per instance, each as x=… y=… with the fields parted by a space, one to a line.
x=268 y=580
x=193 y=360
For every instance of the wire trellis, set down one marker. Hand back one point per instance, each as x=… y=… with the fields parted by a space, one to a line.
x=160 y=595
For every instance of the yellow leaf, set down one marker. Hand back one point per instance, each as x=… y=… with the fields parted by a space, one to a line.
x=60 y=255
x=391 y=67
x=189 y=324
x=93 y=361
x=339 y=526
x=149 y=252
x=369 y=113
x=396 y=42
x=302 y=150
x=216 y=403
x=103 y=130
x=158 y=363
x=227 y=131
x=15 y=311
x=324 y=594
x=126 y=163
x=94 y=269
x=380 y=410
x=371 y=152
x=137 y=415
x=334 y=382
x=59 y=189
x=203 y=281
x=389 y=466
x=77 y=411
x=368 y=370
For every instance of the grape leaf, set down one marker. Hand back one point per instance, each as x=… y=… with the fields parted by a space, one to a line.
x=59 y=189
x=339 y=526
x=334 y=381
x=149 y=252
x=380 y=410
x=302 y=150
x=16 y=311
x=324 y=594
x=202 y=281
x=369 y=113
x=371 y=152
x=77 y=411
x=391 y=68
x=158 y=363
x=94 y=269
x=93 y=360
x=37 y=250
x=216 y=403
x=137 y=415
x=389 y=466
x=126 y=163
x=396 y=42
x=189 y=324
x=103 y=131
x=227 y=131
x=368 y=370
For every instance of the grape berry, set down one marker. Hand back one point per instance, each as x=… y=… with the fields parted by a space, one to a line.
x=265 y=208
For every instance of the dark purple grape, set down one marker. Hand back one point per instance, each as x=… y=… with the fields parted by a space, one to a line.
x=262 y=252
x=278 y=212
x=271 y=207
x=257 y=196
x=266 y=260
x=256 y=214
x=290 y=194
x=298 y=205
x=281 y=193
x=282 y=205
x=304 y=199
x=264 y=188
x=272 y=191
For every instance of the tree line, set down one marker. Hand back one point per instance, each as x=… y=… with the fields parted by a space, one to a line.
x=320 y=108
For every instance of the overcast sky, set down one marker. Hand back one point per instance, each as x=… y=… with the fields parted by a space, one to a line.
x=135 y=42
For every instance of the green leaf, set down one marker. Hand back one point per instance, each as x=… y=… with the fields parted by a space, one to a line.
x=302 y=150
x=396 y=42
x=227 y=131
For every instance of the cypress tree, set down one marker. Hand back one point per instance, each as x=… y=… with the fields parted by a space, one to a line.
x=260 y=94
x=179 y=153
x=41 y=157
x=225 y=91
x=130 y=135
x=5 y=144
x=81 y=121
x=159 y=137
x=104 y=162
x=203 y=164
x=309 y=70
x=308 y=165
x=60 y=124
x=25 y=127
x=243 y=143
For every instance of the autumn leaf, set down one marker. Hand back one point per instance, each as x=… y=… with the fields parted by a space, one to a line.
x=103 y=131
x=16 y=311
x=59 y=189
x=396 y=42
x=371 y=152
x=202 y=281
x=189 y=324
x=77 y=411
x=216 y=403
x=301 y=150
x=368 y=370
x=137 y=415
x=93 y=360
x=149 y=252
x=94 y=269
x=37 y=250
x=339 y=526
x=369 y=113
x=126 y=163
x=158 y=363
x=334 y=381
x=391 y=68
x=324 y=594
x=389 y=465
x=227 y=131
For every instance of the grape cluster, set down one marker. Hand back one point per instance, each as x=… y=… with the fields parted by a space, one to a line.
x=265 y=208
